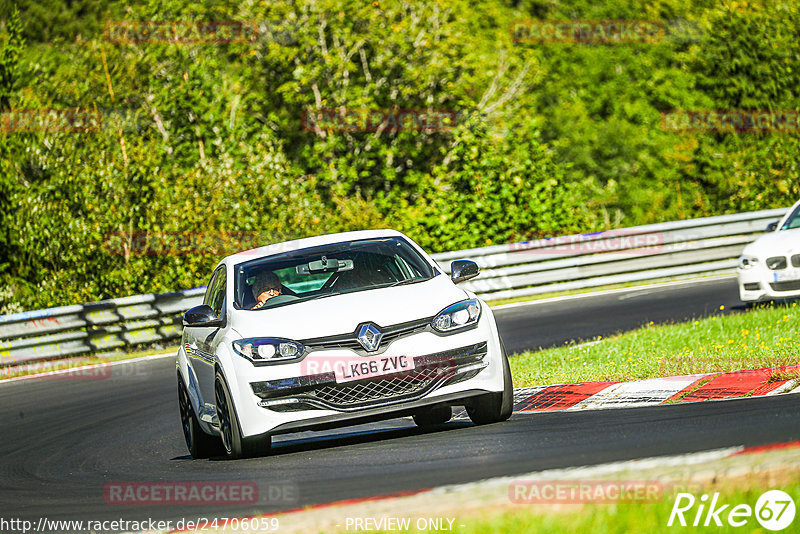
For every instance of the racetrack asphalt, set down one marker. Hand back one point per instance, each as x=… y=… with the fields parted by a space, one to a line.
x=64 y=440
x=547 y=324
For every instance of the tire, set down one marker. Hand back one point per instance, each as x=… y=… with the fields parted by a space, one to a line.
x=494 y=407
x=433 y=415
x=200 y=444
x=233 y=443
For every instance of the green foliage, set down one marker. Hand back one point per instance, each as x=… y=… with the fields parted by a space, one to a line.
x=751 y=61
x=206 y=143
x=12 y=46
x=489 y=192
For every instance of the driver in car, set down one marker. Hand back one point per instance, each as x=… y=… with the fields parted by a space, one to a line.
x=265 y=286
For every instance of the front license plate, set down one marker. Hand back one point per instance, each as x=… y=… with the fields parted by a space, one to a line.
x=787 y=275
x=371 y=367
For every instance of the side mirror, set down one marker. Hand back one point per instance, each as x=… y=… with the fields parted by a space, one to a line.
x=201 y=315
x=771 y=227
x=461 y=270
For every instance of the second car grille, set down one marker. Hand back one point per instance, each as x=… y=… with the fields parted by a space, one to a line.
x=792 y=285
x=776 y=263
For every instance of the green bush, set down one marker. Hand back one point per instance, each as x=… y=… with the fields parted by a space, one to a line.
x=204 y=146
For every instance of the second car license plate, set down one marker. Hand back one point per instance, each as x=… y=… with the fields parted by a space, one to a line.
x=787 y=275
x=372 y=366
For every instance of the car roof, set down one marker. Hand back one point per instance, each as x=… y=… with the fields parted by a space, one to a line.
x=307 y=242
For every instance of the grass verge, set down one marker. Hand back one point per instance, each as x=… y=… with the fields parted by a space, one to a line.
x=631 y=517
x=764 y=336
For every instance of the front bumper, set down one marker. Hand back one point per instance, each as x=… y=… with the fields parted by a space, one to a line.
x=321 y=391
x=758 y=284
x=373 y=414
x=268 y=398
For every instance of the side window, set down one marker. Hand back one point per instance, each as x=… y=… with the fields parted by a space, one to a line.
x=218 y=293
x=210 y=288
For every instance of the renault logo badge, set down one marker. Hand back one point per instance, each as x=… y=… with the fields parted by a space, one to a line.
x=370 y=337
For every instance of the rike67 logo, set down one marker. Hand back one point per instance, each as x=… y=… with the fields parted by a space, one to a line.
x=774 y=510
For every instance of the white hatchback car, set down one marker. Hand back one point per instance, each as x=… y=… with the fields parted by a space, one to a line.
x=362 y=326
x=769 y=267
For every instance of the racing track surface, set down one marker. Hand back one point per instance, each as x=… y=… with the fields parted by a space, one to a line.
x=63 y=440
x=554 y=323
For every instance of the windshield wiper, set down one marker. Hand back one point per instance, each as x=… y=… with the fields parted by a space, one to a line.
x=406 y=281
x=325 y=295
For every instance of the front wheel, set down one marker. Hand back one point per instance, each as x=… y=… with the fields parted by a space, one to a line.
x=433 y=415
x=235 y=445
x=200 y=444
x=494 y=407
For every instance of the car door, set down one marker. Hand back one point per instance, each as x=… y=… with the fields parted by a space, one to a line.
x=206 y=339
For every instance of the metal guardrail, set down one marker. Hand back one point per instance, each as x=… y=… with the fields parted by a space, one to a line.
x=705 y=246
x=93 y=328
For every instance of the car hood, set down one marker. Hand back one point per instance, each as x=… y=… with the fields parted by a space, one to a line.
x=341 y=314
x=785 y=242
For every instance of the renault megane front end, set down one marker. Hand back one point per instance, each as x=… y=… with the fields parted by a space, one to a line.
x=330 y=331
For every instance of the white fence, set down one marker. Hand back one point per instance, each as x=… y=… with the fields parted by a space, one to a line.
x=696 y=247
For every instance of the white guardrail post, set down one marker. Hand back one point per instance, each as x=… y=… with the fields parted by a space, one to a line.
x=695 y=247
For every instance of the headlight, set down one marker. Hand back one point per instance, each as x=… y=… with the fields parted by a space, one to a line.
x=746 y=262
x=268 y=349
x=776 y=263
x=457 y=316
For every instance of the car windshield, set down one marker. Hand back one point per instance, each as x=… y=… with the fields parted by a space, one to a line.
x=793 y=221
x=328 y=270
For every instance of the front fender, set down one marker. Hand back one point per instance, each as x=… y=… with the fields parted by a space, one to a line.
x=186 y=373
x=235 y=370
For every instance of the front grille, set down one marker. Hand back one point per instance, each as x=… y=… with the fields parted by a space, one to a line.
x=776 y=263
x=376 y=389
x=349 y=341
x=796 y=260
x=791 y=285
x=752 y=286
x=321 y=391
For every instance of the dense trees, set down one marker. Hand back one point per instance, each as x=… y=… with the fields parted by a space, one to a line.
x=203 y=148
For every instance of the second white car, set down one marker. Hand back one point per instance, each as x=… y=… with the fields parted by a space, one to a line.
x=769 y=267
